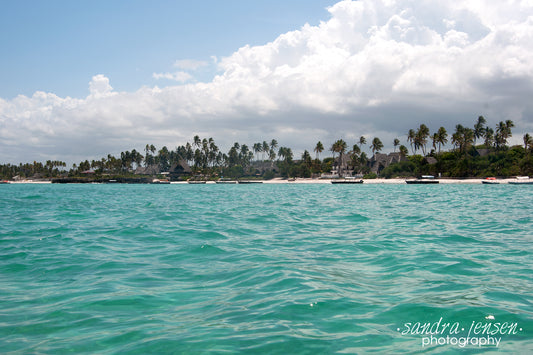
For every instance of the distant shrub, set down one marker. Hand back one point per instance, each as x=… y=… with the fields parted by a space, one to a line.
x=269 y=175
x=370 y=176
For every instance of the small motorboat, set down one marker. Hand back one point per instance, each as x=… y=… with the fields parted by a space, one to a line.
x=160 y=181
x=522 y=180
x=347 y=181
x=490 y=181
x=425 y=179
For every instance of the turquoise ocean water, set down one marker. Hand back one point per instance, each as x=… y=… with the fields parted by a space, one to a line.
x=272 y=269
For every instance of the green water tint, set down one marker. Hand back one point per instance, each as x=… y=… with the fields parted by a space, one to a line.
x=261 y=268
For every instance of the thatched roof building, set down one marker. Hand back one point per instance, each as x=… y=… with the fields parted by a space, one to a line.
x=380 y=161
x=176 y=169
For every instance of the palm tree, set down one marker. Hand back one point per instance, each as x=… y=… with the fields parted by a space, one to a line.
x=273 y=144
x=272 y=156
x=489 y=137
x=411 y=135
x=285 y=153
x=342 y=146
x=503 y=131
x=354 y=155
x=342 y=149
x=282 y=152
x=376 y=145
x=528 y=142
x=469 y=138
x=245 y=156
x=458 y=137
x=196 y=141
x=146 y=155
x=509 y=124
x=479 y=128
x=363 y=162
x=462 y=138
x=288 y=155
x=319 y=149
x=395 y=143
x=258 y=147
x=188 y=152
x=435 y=140
x=442 y=137
x=213 y=151
x=265 y=149
x=334 y=148
x=421 y=137
x=362 y=141
x=306 y=158
x=339 y=147
x=403 y=151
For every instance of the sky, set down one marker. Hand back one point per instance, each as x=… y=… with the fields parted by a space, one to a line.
x=83 y=79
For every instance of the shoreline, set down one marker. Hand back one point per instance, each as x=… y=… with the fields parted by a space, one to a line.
x=395 y=181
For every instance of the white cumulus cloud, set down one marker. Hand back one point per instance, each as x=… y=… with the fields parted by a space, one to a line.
x=99 y=86
x=374 y=68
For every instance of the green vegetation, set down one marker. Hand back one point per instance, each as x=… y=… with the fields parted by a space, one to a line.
x=202 y=159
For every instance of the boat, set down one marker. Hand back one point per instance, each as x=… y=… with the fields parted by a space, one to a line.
x=160 y=181
x=4 y=182
x=425 y=179
x=226 y=182
x=250 y=182
x=522 y=180
x=347 y=181
x=490 y=181
x=196 y=182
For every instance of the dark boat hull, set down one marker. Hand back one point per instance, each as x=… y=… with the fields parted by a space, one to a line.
x=346 y=181
x=421 y=182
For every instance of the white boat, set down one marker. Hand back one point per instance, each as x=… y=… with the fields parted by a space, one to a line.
x=522 y=180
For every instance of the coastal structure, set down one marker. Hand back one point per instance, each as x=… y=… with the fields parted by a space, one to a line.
x=178 y=169
x=380 y=161
x=341 y=168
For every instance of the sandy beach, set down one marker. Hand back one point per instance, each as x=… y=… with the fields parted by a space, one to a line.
x=321 y=181
x=371 y=181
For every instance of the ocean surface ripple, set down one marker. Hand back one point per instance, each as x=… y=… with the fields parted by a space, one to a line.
x=273 y=269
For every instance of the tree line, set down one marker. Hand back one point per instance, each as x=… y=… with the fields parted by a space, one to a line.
x=267 y=159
